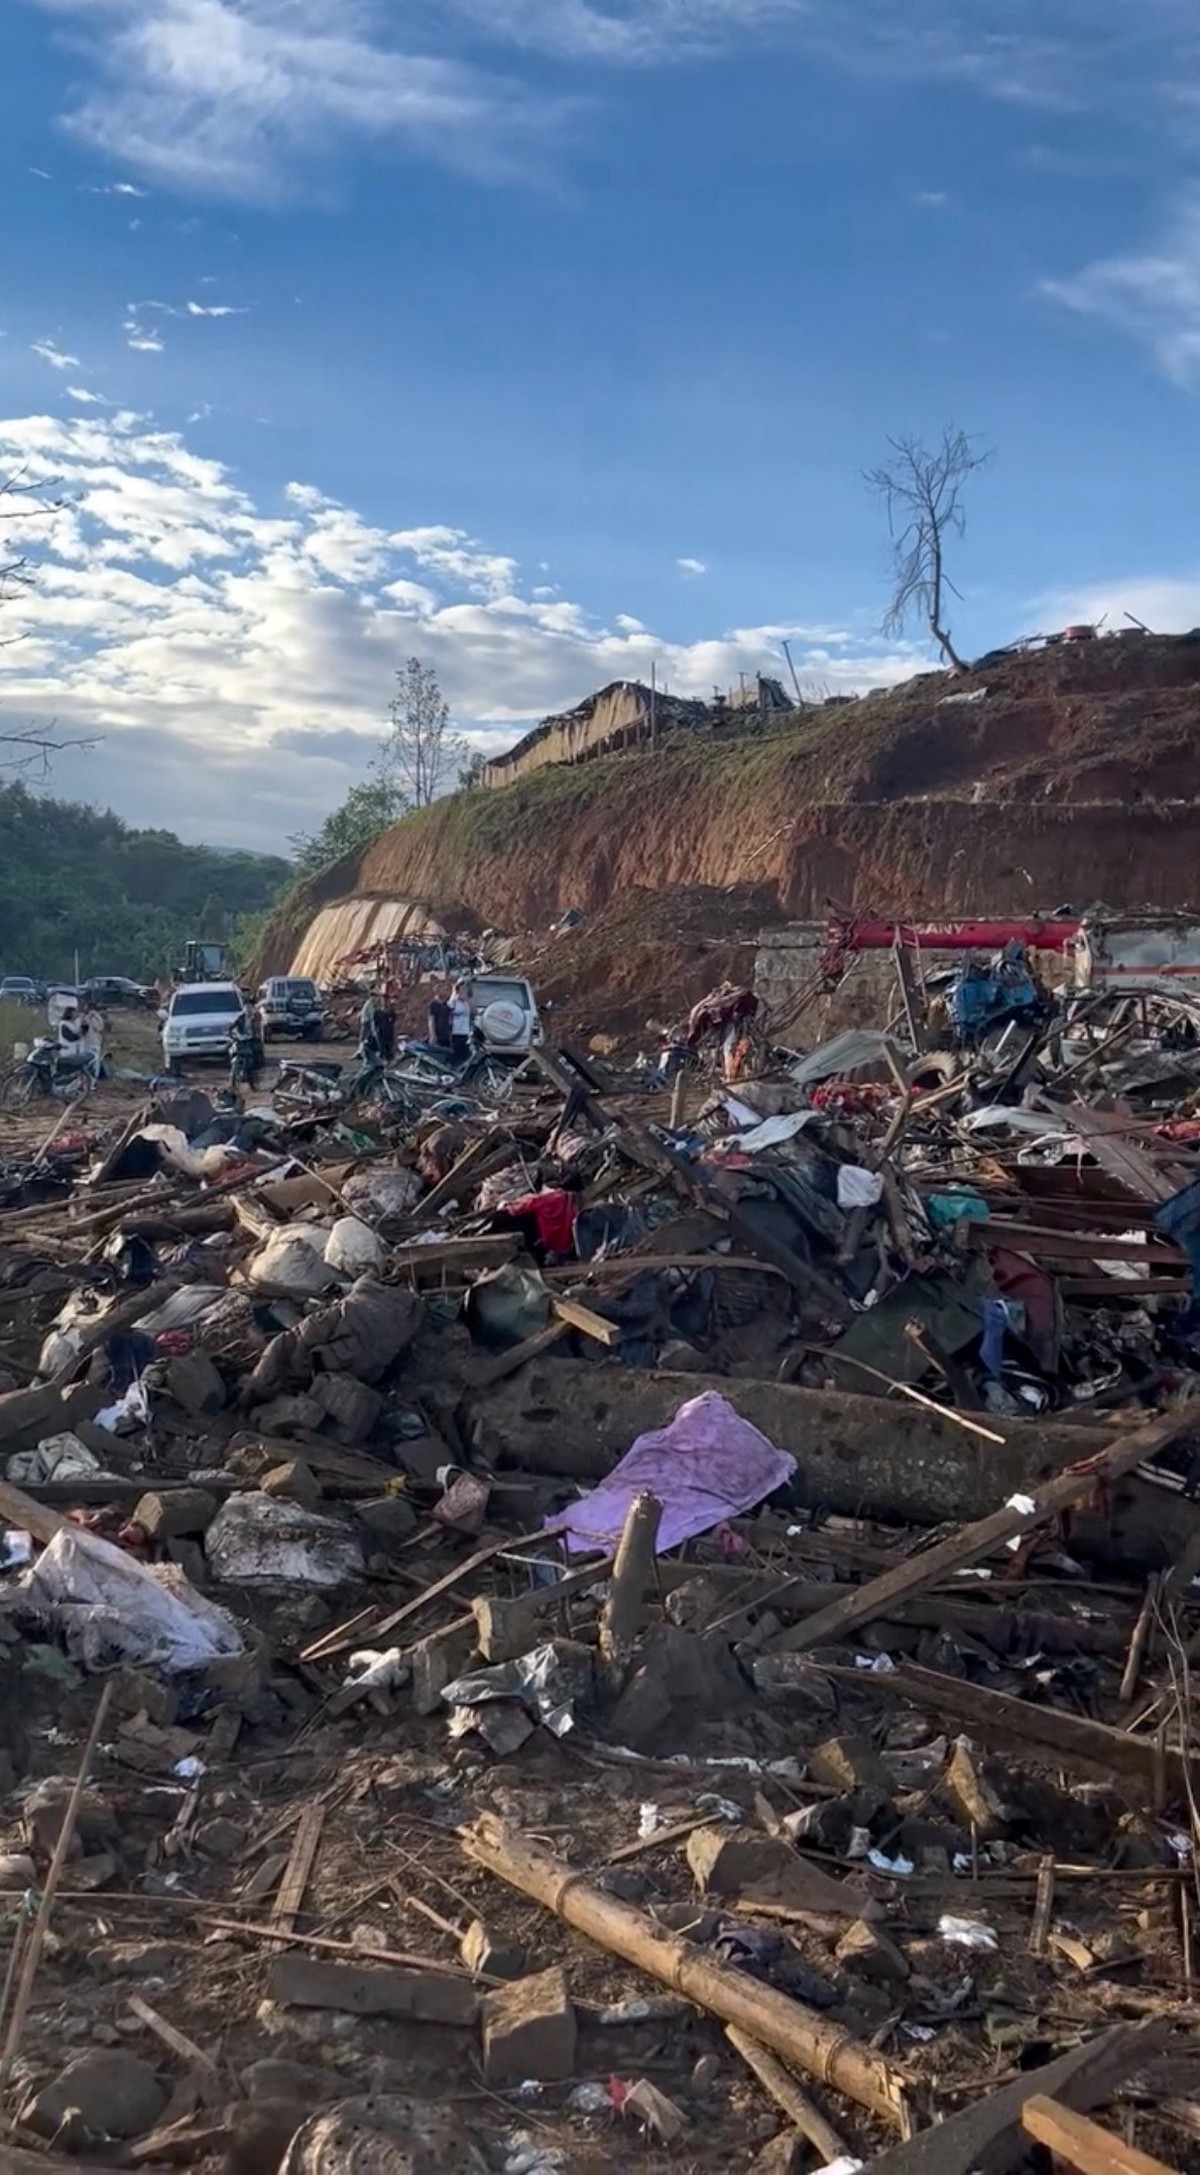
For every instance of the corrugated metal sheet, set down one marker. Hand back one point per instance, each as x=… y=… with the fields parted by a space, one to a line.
x=351 y=924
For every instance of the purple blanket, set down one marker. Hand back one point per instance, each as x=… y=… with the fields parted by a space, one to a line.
x=706 y=1465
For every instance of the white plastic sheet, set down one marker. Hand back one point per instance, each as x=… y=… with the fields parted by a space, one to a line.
x=110 y=1607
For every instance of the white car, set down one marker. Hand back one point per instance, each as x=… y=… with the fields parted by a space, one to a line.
x=198 y=1022
x=505 y=1012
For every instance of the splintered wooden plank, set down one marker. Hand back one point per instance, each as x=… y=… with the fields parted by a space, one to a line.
x=1082 y=2144
x=286 y=1907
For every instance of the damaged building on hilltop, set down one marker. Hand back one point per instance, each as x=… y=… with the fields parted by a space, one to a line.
x=628 y=714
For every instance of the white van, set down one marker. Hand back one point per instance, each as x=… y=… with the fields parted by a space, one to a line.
x=198 y=1022
x=505 y=1012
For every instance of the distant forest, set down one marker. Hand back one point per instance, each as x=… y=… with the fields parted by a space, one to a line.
x=76 y=880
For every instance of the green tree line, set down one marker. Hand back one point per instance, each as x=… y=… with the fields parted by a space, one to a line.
x=79 y=881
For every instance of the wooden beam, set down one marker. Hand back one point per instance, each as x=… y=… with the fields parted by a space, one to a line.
x=987 y=2137
x=916 y=1574
x=1047 y=1733
x=1082 y=2144
x=577 y=1316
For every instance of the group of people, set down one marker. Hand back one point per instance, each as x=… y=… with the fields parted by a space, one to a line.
x=451 y=1021
x=451 y=1029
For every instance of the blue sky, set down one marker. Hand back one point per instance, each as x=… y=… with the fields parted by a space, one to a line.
x=545 y=339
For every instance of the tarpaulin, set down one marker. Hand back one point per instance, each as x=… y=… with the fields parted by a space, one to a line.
x=705 y=1465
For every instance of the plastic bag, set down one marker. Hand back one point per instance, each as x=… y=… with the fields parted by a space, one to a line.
x=110 y=1607
x=293 y=1261
x=353 y=1249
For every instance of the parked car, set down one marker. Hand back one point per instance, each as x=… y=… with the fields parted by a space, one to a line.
x=110 y=990
x=505 y=1013
x=20 y=989
x=290 y=1004
x=198 y=1022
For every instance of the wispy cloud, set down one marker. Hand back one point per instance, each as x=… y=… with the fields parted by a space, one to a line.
x=57 y=358
x=213 y=309
x=139 y=335
x=1151 y=295
x=86 y=399
x=241 y=96
x=115 y=188
x=202 y=633
x=691 y=566
x=252 y=97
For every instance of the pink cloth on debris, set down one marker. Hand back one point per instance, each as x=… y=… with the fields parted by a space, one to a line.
x=705 y=1465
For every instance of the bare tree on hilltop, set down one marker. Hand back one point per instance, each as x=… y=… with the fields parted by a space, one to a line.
x=922 y=489
x=22 y=500
x=421 y=755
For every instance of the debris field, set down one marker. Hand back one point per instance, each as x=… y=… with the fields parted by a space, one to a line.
x=610 y=1618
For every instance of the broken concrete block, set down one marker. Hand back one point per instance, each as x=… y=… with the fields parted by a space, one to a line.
x=139 y=1691
x=195 y=1384
x=436 y=1661
x=978 y=1805
x=389 y=1519
x=349 y=1406
x=295 y=1481
x=792 y=1677
x=529 y=2031
x=504 y=1629
x=850 y=1763
x=17 y=1873
x=289 y=1415
x=179 y=1510
x=868 y=1950
x=426 y=1997
x=113 y=2094
x=483 y=1953
x=220 y=1838
x=741 y=1862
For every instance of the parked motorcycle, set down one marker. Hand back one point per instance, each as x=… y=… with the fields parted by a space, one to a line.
x=46 y=1072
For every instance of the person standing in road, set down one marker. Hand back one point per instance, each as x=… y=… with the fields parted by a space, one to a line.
x=460 y=1024
x=439 y=1020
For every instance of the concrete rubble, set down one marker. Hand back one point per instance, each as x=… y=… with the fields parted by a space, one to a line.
x=628 y=1616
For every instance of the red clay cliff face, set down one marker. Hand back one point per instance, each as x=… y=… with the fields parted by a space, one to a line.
x=1074 y=779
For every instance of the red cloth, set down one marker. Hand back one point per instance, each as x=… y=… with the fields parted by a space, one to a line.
x=554 y=1212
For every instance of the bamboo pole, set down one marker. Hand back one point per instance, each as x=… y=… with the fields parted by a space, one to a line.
x=797 y=2034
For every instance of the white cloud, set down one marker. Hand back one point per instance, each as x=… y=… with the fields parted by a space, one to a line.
x=931 y=200
x=86 y=399
x=213 y=309
x=240 y=96
x=55 y=356
x=237 y=660
x=115 y=188
x=691 y=566
x=251 y=98
x=1153 y=295
x=1167 y=604
x=141 y=337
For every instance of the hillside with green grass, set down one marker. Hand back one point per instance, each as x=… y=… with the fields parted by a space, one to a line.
x=79 y=886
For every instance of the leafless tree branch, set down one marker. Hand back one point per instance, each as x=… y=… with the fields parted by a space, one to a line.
x=922 y=489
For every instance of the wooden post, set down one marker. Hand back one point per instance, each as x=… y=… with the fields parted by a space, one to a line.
x=633 y=1571
x=797 y=2034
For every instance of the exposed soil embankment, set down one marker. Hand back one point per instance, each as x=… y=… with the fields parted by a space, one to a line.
x=1073 y=777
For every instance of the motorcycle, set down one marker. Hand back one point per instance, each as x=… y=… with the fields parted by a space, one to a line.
x=46 y=1072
